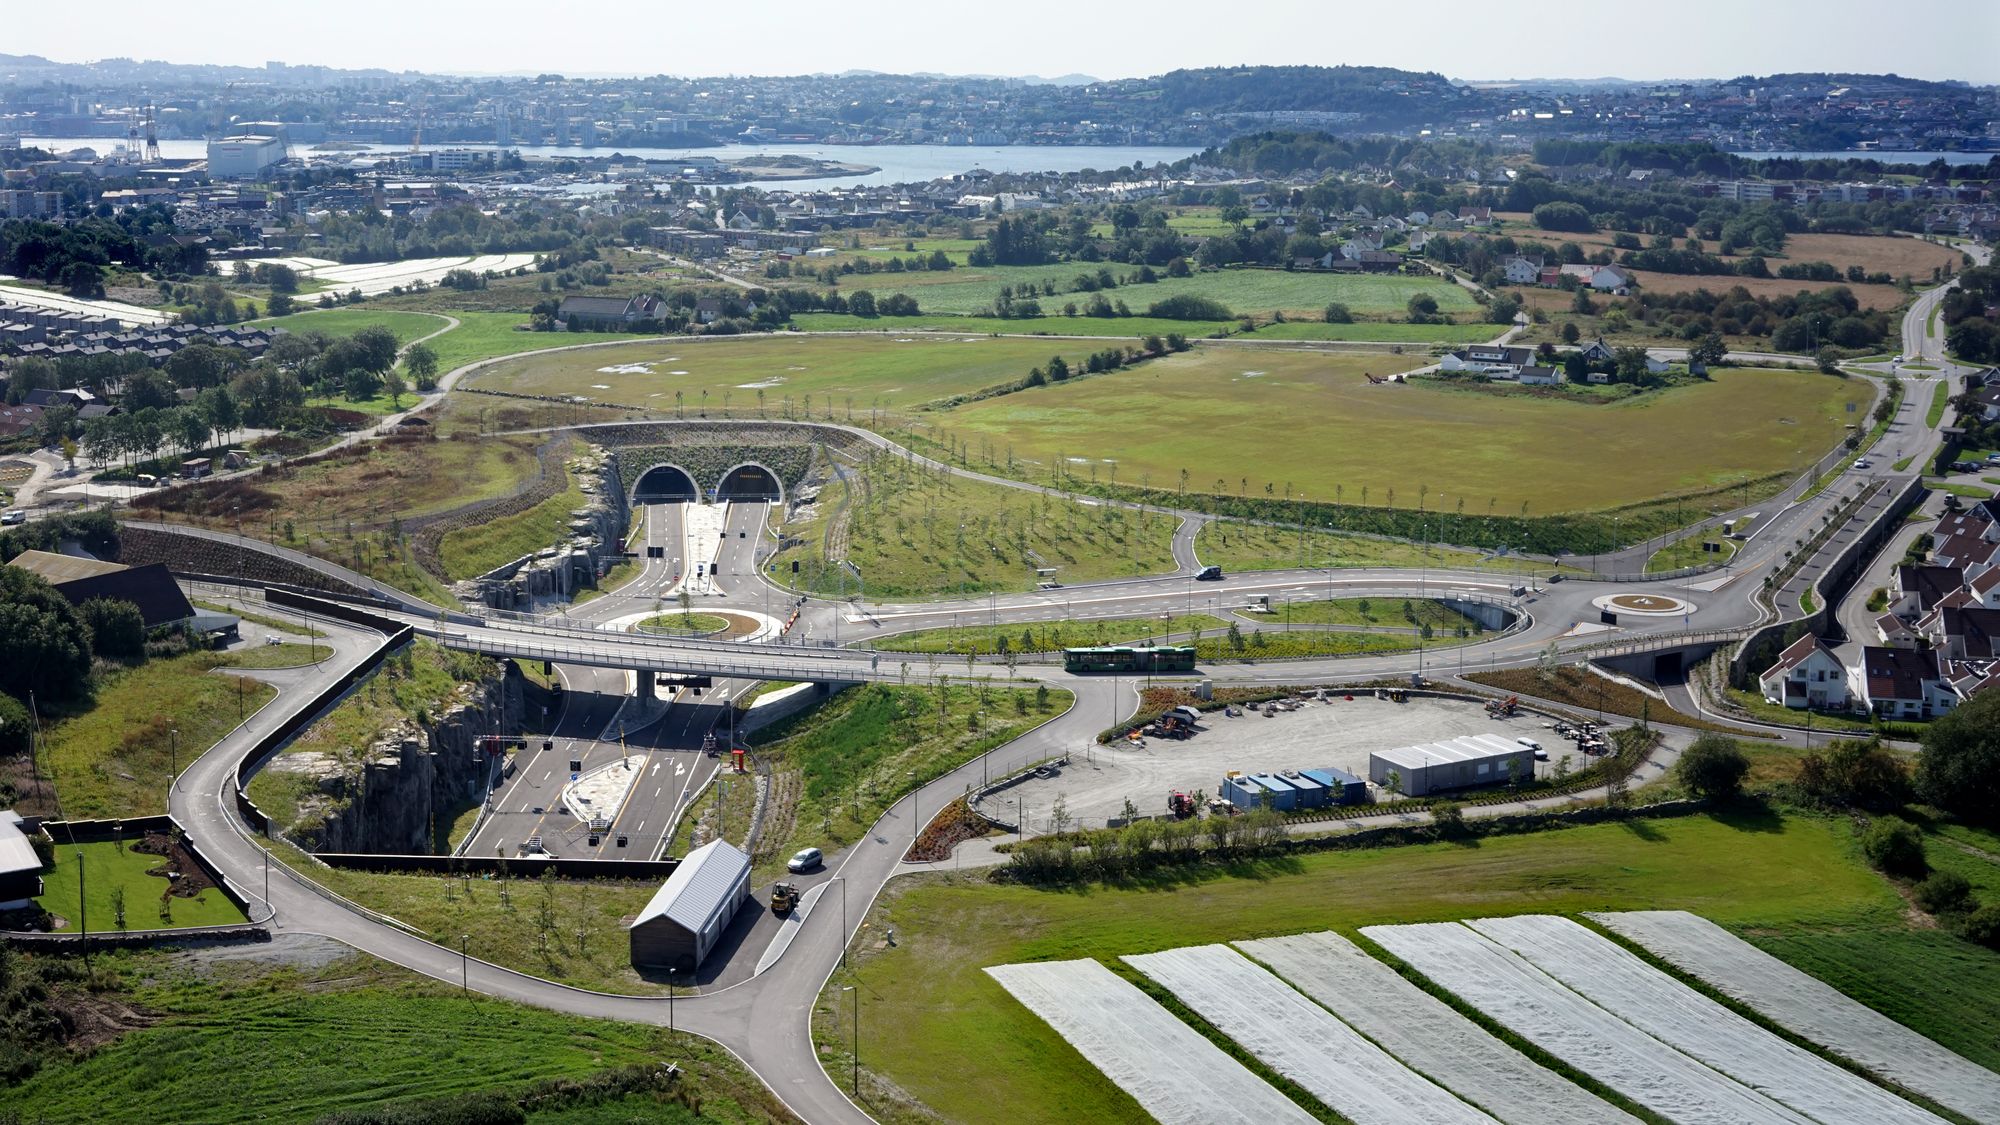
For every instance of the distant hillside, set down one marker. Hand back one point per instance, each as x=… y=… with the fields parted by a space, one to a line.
x=1372 y=91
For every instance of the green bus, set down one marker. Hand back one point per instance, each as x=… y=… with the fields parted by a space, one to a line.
x=1130 y=658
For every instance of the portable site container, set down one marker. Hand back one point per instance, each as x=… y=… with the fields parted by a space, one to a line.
x=1313 y=793
x=1343 y=788
x=1243 y=792
x=1283 y=796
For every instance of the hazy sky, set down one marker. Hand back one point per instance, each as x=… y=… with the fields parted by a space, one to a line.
x=1122 y=38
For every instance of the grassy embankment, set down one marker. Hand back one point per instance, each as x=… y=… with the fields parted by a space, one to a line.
x=109 y=868
x=917 y=533
x=836 y=768
x=243 y=1040
x=112 y=757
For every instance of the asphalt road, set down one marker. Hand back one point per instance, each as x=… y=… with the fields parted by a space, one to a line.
x=765 y=1020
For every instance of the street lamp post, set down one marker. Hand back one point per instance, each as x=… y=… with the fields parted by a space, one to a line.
x=857 y=1035
x=173 y=758
x=842 y=880
x=464 y=965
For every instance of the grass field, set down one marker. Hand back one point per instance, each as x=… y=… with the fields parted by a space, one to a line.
x=1044 y=636
x=1390 y=613
x=1125 y=326
x=936 y=1030
x=749 y=378
x=1243 y=291
x=839 y=766
x=114 y=759
x=1248 y=546
x=249 y=1041
x=1218 y=414
x=106 y=868
x=915 y=533
x=684 y=623
x=1589 y=695
x=1377 y=332
x=1691 y=551
x=1940 y=397
x=479 y=335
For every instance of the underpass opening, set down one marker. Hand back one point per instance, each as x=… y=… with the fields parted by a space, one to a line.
x=664 y=484
x=750 y=481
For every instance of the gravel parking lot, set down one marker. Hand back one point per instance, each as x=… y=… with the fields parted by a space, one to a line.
x=1096 y=784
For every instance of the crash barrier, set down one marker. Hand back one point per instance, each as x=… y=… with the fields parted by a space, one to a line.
x=525 y=867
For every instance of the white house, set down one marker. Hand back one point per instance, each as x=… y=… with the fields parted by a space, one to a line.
x=1807 y=674
x=1522 y=270
x=1901 y=683
x=1488 y=359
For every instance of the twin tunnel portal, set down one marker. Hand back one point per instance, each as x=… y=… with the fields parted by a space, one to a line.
x=748 y=482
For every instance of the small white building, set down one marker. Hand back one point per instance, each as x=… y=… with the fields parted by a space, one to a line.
x=1457 y=763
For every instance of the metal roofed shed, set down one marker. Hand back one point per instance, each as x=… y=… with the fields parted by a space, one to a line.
x=688 y=914
x=20 y=867
x=1343 y=788
x=1457 y=763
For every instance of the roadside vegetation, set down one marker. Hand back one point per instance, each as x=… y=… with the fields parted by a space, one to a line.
x=837 y=767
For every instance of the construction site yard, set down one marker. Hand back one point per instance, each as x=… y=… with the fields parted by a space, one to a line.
x=1097 y=783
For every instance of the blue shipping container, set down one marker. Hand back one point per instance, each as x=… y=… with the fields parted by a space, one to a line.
x=1283 y=796
x=1313 y=794
x=1343 y=788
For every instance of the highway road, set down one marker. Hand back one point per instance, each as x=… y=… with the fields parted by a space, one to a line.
x=765 y=1020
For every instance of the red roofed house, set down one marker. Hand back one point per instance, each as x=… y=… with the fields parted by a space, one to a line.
x=1807 y=674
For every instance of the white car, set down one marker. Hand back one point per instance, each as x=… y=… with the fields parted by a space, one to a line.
x=1863 y=463
x=805 y=860
x=13 y=516
x=1541 y=755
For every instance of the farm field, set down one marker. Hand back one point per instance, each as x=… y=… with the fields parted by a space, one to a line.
x=1873 y=253
x=1429 y=1034
x=1809 y=1008
x=748 y=378
x=1528 y=1003
x=1212 y=413
x=1244 y=291
x=936 y=1029
x=1616 y=980
x=916 y=534
x=1179 y=1077
x=1299 y=1039
x=1377 y=332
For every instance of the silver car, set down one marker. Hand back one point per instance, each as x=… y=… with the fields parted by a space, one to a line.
x=806 y=860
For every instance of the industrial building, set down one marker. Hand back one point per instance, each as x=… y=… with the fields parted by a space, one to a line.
x=1457 y=763
x=244 y=157
x=692 y=909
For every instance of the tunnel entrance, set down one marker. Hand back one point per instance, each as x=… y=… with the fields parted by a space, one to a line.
x=749 y=482
x=663 y=484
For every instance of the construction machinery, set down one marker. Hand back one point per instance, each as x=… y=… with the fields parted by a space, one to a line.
x=784 y=898
x=1503 y=708
x=1180 y=805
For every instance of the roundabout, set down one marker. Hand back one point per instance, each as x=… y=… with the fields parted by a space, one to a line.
x=1644 y=605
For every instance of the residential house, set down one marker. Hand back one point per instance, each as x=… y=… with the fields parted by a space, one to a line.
x=1895 y=632
x=1807 y=675
x=1917 y=590
x=609 y=313
x=1963 y=630
x=1901 y=684
x=1522 y=270
x=1476 y=216
x=1488 y=359
x=1540 y=376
